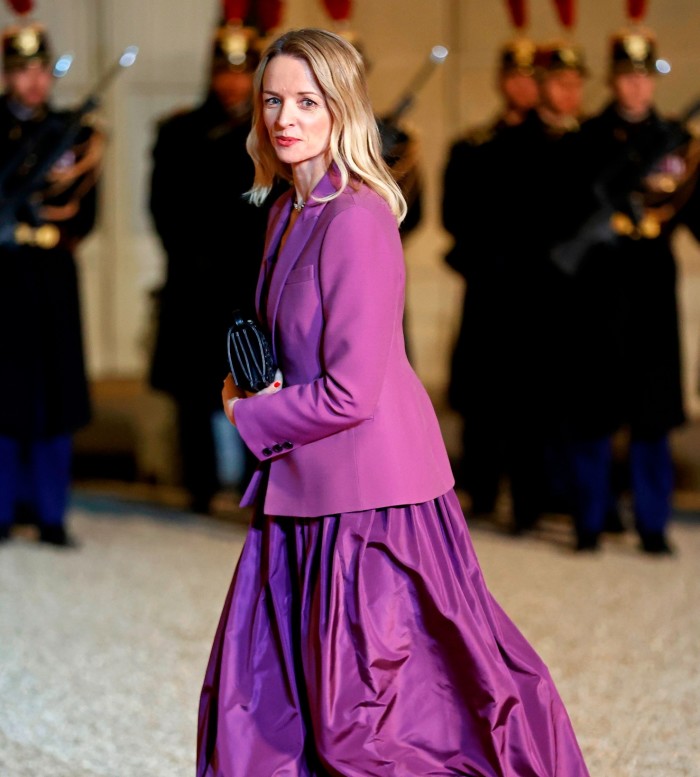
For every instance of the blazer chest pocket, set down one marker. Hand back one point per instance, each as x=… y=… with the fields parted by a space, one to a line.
x=300 y=274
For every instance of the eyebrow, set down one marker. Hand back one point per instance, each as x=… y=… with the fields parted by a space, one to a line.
x=299 y=94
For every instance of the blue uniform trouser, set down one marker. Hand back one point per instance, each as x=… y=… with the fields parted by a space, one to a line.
x=38 y=473
x=651 y=477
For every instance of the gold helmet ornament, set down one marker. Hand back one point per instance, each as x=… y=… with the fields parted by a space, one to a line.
x=518 y=56
x=235 y=48
x=24 y=42
x=560 y=55
x=633 y=49
x=240 y=35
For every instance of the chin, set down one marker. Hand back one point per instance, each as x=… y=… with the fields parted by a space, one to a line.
x=288 y=157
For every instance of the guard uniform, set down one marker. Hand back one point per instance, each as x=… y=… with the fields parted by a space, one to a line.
x=472 y=213
x=43 y=388
x=621 y=325
x=214 y=239
x=496 y=207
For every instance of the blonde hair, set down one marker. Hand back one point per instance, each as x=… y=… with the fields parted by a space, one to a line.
x=355 y=146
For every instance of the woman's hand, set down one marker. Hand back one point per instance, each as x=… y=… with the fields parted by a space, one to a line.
x=230 y=393
x=273 y=388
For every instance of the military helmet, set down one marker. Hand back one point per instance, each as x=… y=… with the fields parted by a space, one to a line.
x=517 y=56
x=235 y=47
x=22 y=44
x=241 y=34
x=560 y=55
x=633 y=51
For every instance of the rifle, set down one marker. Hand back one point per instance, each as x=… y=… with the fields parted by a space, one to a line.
x=389 y=131
x=25 y=173
x=596 y=229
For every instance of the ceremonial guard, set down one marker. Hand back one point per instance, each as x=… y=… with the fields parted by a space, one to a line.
x=471 y=211
x=498 y=366
x=49 y=162
x=632 y=185
x=213 y=239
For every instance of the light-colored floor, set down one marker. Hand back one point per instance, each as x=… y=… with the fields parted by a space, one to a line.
x=102 y=649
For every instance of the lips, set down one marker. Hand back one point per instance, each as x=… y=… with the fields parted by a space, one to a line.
x=285 y=142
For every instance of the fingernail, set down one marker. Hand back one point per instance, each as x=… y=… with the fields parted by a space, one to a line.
x=276 y=384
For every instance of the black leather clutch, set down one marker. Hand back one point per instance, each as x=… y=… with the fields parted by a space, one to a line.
x=249 y=354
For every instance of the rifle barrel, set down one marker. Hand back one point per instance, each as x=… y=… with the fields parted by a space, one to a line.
x=438 y=54
x=126 y=60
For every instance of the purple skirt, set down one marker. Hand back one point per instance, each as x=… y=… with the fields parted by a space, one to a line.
x=368 y=644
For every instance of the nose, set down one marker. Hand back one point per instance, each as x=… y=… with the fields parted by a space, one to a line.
x=286 y=115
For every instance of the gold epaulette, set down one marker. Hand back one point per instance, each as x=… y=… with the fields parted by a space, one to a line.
x=44 y=236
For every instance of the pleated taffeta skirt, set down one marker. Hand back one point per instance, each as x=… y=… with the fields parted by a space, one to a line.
x=367 y=644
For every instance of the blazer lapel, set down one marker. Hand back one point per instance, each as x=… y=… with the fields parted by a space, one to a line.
x=294 y=245
x=271 y=245
x=286 y=259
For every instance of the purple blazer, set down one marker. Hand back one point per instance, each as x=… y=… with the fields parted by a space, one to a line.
x=353 y=428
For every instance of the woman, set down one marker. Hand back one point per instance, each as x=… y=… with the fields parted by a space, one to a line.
x=358 y=637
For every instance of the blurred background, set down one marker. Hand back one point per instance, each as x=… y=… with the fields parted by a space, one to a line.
x=122 y=261
x=102 y=650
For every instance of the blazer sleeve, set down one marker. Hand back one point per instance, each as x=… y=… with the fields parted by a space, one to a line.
x=361 y=277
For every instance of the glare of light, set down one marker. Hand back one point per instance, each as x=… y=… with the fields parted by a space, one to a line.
x=63 y=65
x=663 y=66
x=439 y=54
x=128 y=58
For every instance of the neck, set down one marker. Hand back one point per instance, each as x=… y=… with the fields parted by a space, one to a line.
x=633 y=117
x=21 y=111
x=562 y=121
x=305 y=179
x=513 y=116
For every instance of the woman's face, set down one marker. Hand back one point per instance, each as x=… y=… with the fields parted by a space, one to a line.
x=296 y=114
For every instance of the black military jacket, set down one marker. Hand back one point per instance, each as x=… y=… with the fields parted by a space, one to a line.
x=43 y=389
x=619 y=338
x=498 y=189
x=213 y=239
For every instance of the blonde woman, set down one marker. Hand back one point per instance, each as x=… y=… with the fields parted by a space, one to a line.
x=358 y=637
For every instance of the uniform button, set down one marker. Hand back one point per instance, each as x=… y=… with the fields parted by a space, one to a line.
x=287 y=445
x=277 y=448
x=267 y=451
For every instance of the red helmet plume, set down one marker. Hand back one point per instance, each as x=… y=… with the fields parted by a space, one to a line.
x=338 y=10
x=21 y=7
x=567 y=12
x=235 y=10
x=518 y=13
x=636 y=9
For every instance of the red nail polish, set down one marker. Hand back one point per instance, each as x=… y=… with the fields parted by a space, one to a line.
x=276 y=384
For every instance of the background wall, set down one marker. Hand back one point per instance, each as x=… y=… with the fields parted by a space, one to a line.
x=122 y=261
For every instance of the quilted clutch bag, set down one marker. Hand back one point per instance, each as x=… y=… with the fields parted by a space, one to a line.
x=249 y=354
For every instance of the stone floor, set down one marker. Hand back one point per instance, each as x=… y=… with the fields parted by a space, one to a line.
x=103 y=648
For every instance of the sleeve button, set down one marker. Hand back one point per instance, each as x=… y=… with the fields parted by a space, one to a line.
x=267 y=451
x=287 y=445
x=277 y=448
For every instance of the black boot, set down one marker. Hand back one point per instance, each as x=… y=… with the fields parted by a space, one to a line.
x=4 y=533
x=587 y=542
x=56 y=535
x=613 y=523
x=655 y=543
